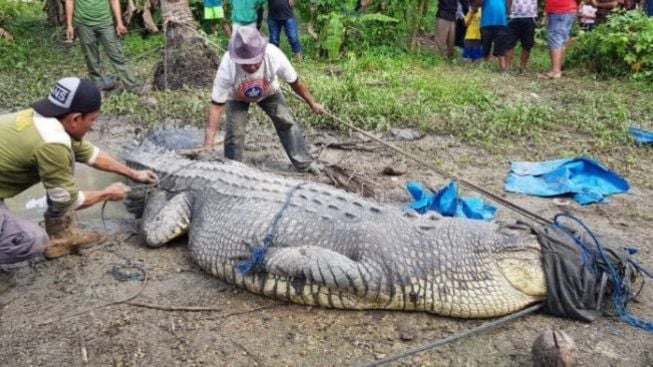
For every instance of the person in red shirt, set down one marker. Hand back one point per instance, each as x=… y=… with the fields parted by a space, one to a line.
x=560 y=17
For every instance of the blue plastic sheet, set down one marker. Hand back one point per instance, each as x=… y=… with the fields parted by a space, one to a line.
x=587 y=180
x=641 y=136
x=446 y=202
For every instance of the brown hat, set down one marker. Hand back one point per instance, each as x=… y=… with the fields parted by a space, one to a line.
x=247 y=46
x=70 y=94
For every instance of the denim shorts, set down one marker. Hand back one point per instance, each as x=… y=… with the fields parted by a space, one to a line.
x=559 y=25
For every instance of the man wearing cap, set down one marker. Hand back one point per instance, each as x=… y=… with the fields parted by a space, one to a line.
x=249 y=73
x=42 y=144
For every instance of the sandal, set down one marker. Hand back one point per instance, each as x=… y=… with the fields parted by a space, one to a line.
x=549 y=76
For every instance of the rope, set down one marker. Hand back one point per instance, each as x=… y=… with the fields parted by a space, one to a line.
x=620 y=285
x=147 y=187
x=258 y=253
x=462 y=334
x=468 y=184
x=165 y=64
x=435 y=169
x=417 y=159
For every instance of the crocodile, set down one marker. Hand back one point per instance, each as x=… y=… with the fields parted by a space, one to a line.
x=321 y=246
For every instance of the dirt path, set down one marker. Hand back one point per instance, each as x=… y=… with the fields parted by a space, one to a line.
x=44 y=319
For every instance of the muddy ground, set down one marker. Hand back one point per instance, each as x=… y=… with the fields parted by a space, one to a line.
x=54 y=314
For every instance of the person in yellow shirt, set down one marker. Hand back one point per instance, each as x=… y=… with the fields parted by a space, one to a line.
x=473 y=48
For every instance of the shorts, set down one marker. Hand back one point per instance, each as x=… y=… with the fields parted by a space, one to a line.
x=520 y=30
x=491 y=35
x=559 y=25
x=588 y=27
x=213 y=12
x=473 y=50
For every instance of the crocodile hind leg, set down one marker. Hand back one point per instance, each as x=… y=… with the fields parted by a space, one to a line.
x=314 y=276
x=165 y=219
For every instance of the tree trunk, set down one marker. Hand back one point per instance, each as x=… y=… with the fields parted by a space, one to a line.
x=55 y=11
x=6 y=35
x=188 y=59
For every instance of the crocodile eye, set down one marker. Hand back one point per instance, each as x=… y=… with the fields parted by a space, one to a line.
x=426 y=228
x=410 y=214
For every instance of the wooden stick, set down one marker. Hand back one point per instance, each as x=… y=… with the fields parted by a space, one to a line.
x=82 y=347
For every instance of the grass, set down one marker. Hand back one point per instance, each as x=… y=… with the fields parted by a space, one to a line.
x=378 y=89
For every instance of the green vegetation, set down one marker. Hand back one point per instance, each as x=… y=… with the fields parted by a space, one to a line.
x=621 y=47
x=379 y=87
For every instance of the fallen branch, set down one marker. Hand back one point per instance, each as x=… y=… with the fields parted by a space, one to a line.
x=173 y=308
x=348 y=146
x=350 y=180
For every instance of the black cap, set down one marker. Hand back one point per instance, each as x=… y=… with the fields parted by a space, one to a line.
x=70 y=94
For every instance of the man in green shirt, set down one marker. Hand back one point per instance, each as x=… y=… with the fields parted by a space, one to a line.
x=244 y=13
x=94 y=25
x=42 y=144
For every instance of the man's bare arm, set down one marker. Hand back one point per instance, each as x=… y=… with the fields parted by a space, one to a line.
x=117 y=15
x=212 y=124
x=302 y=90
x=70 y=9
x=114 y=192
x=107 y=163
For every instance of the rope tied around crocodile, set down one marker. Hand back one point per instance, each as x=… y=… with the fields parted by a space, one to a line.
x=258 y=252
x=580 y=269
x=580 y=295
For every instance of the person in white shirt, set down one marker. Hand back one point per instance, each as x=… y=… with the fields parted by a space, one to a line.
x=249 y=73
x=587 y=14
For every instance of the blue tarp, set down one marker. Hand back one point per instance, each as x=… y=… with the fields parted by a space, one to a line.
x=583 y=177
x=641 y=136
x=446 y=202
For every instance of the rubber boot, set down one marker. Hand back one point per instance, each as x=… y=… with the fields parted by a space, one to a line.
x=66 y=236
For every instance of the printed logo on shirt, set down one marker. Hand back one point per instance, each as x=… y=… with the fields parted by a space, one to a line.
x=60 y=94
x=253 y=90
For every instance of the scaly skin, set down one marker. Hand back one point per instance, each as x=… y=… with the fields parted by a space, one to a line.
x=335 y=249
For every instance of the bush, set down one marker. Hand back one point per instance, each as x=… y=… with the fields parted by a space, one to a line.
x=341 y=33
x=622 y=47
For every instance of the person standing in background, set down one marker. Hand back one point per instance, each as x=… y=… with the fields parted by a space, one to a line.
x=92 y=22
x=560 y=18
x=214 y=13
x=493 y=26
x=445 y=27
x=244 y=13
x=521 y=27
x=280 y=15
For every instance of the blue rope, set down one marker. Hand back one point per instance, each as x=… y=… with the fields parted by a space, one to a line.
x=258 y=253
x=621 y=289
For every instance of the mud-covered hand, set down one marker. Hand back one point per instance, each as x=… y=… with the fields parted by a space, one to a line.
x=317 y=108
x=117 y=191
x=145 y=176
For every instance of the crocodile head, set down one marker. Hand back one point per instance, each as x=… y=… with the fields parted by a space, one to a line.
x=521 y=264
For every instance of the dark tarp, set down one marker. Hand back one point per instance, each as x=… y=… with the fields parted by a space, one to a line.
x=574 y=275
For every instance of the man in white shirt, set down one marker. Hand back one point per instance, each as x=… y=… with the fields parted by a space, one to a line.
x=249 y=73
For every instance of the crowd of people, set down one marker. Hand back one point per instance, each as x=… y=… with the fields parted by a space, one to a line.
x=493 y=28
x=484 y=29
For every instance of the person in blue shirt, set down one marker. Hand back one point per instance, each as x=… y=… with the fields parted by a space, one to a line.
x=493 y=27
